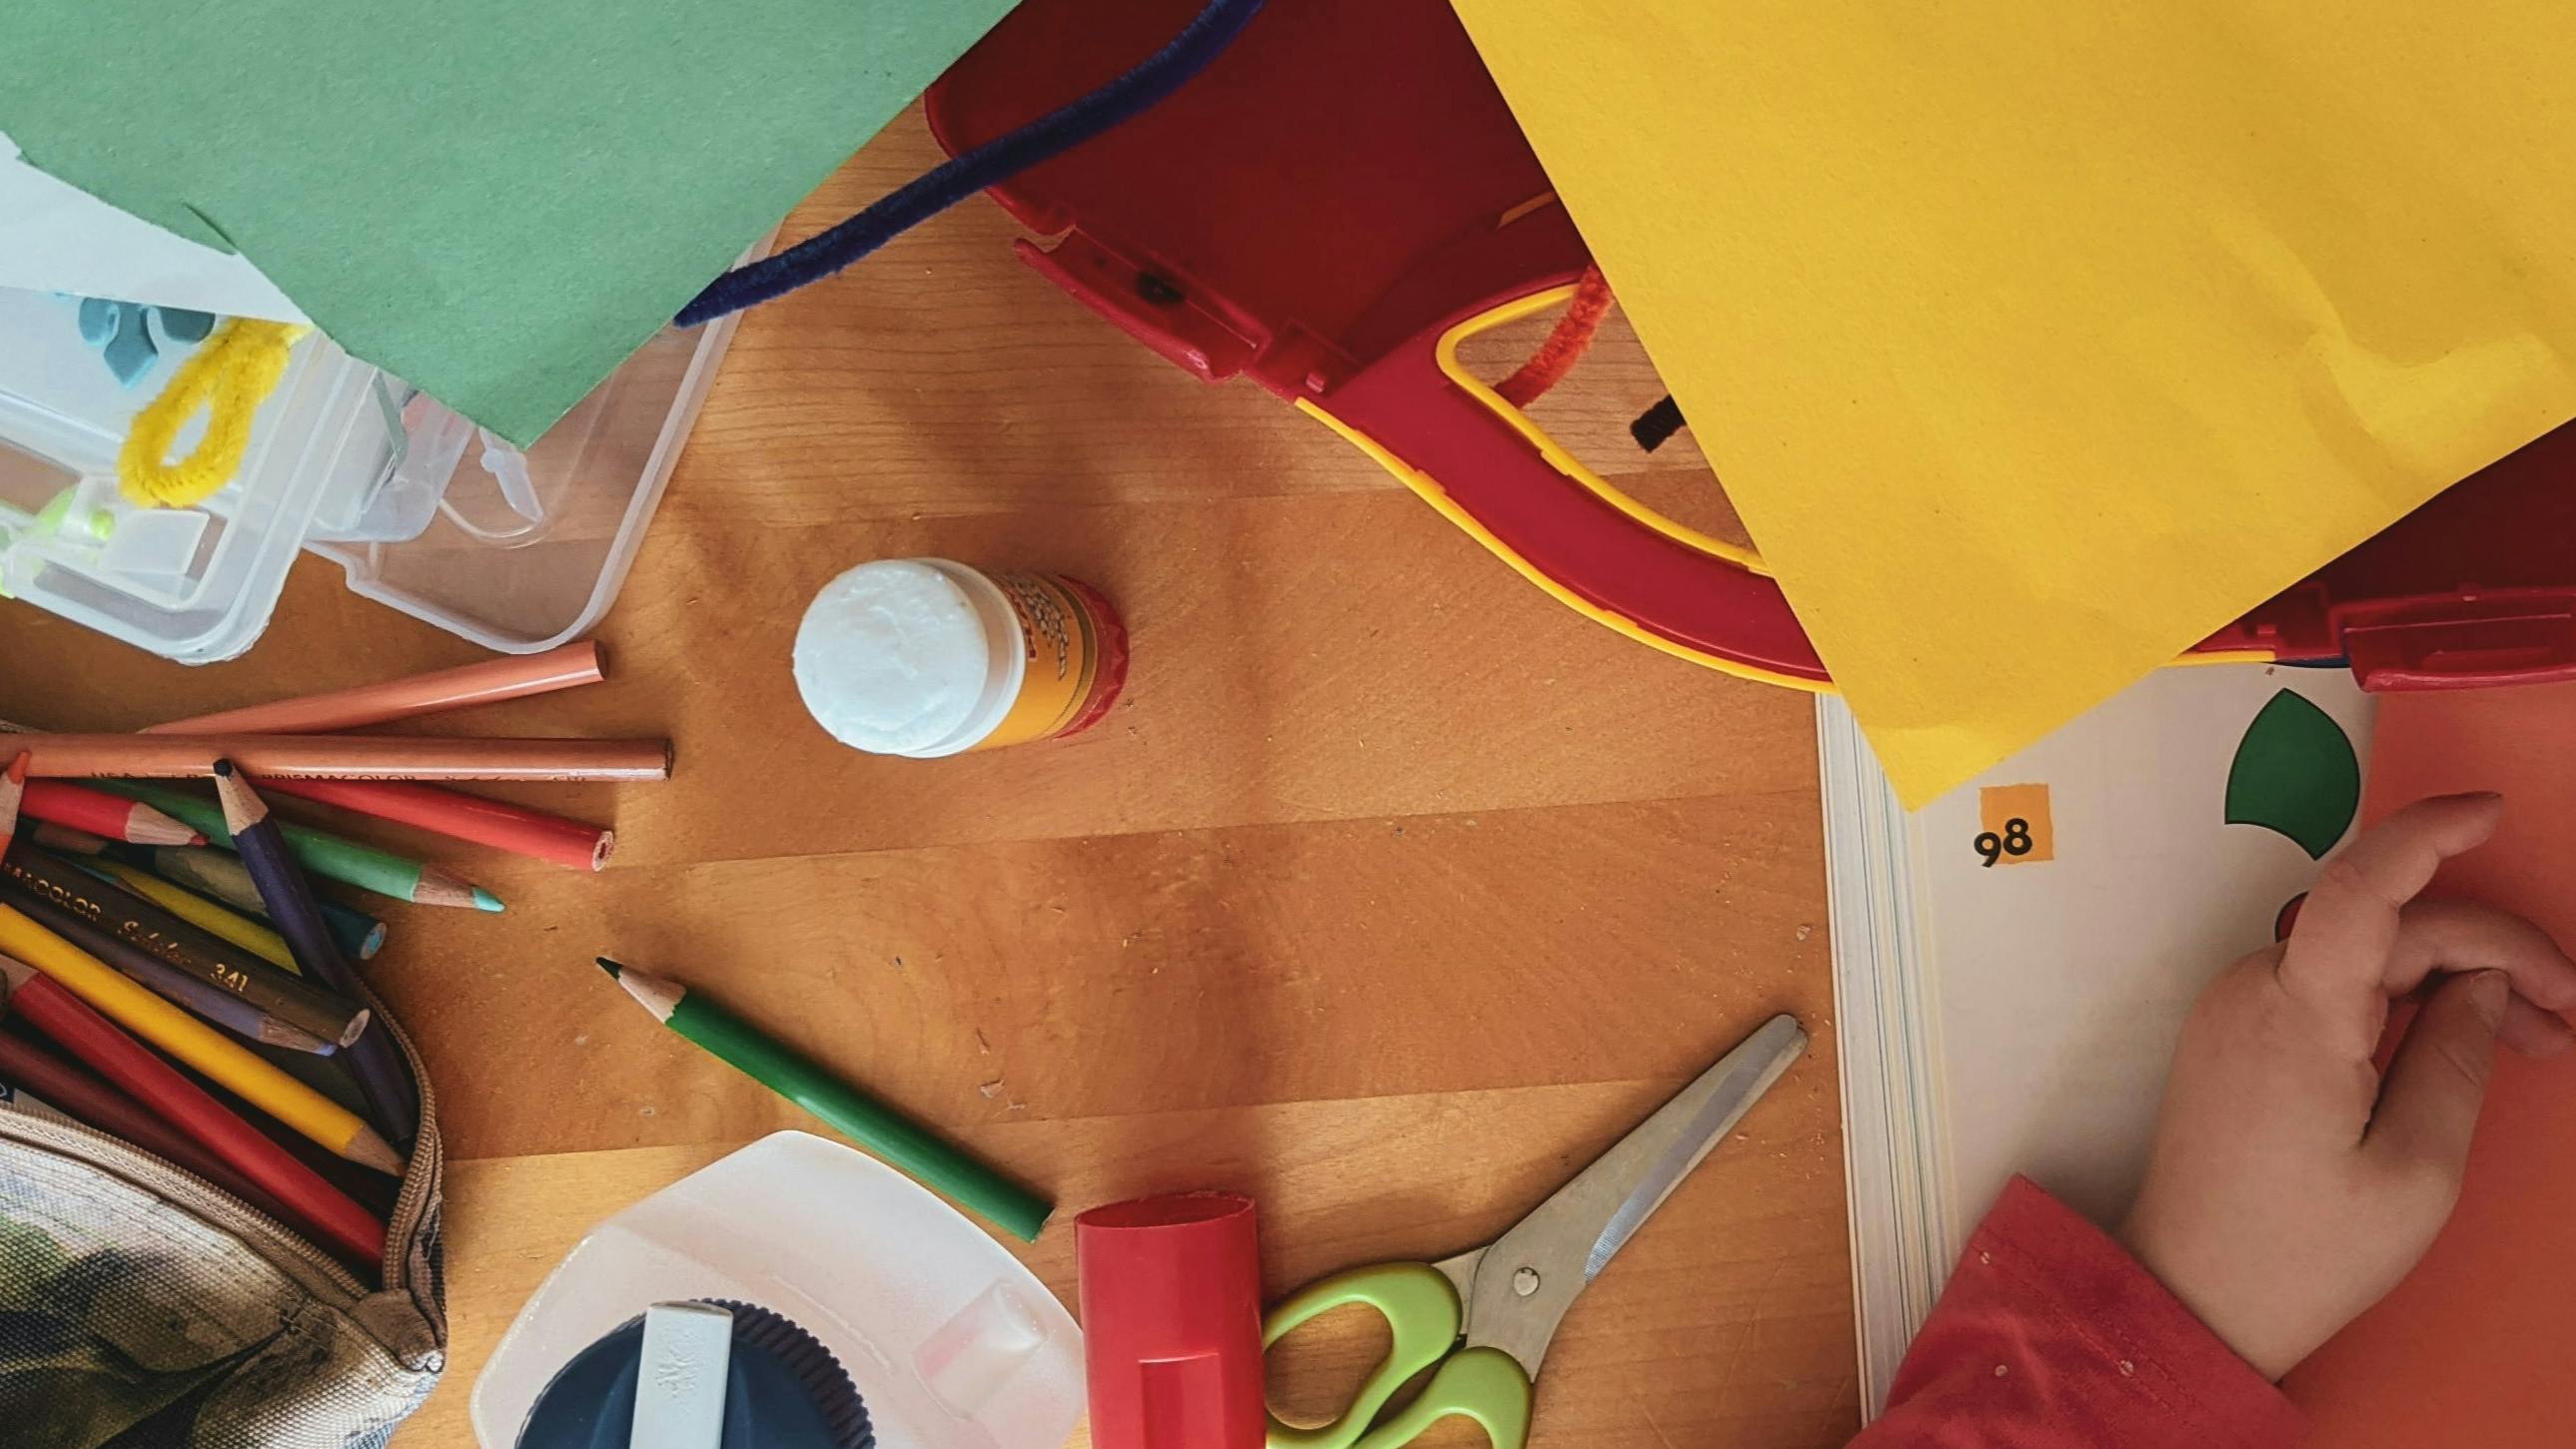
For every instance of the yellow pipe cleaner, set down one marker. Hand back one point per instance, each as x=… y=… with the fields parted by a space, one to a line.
x=229 y=377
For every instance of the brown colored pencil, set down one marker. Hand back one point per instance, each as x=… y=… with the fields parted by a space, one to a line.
x=489 y=682
x=197 y=997
x=64 y=840
x=312 y=1006
x=342 y=757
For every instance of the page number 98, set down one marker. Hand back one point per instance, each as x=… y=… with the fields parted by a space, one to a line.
x=2014 y=840
x=2013 y=826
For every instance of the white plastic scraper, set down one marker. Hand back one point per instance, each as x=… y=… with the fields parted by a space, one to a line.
x=680 y=1381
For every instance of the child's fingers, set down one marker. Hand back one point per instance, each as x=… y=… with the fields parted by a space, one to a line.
x=2336 y=958
x=2468 y=936
x=2533 y=1032
x=2428 y=1104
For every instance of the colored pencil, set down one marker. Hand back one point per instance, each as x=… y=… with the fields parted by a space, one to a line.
x=78 y=1094
x=314 y=1006
x=105 y=815
x=489 y=682
x=864 y=1120
x=13 y=793
x=393 y=1102
x=329 y=856
x=537 y=834
x=166 y=981
x=69 y=840
x=218 y=876
x=343 y=757
x=194 y=1044
x=78 y=1027
x=518 y=829
x=217 y=921
x=326 y=1076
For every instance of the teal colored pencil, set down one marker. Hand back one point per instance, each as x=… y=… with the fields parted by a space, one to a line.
x=330 y=856
x=872 y=1124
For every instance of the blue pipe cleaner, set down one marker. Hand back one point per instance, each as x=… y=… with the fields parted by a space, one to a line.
x=996 y=161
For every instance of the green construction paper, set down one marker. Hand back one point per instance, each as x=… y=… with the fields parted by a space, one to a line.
x=495 y=200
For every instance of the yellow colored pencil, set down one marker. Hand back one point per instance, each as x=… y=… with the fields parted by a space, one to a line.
x=229 y=1064
x=201 y=913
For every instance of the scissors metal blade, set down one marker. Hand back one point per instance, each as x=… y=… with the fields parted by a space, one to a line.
x=1526 y=1281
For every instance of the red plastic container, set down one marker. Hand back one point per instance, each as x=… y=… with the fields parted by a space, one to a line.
x=1171 y=1322
x=1343 y=196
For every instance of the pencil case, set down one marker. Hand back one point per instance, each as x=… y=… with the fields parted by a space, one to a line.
x=144 y=1305
x=1344 y=200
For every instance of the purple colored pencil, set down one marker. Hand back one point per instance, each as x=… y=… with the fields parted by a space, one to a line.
x=393 y=1104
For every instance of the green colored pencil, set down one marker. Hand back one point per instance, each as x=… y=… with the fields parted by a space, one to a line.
x=330 y=856
x=863 y=1119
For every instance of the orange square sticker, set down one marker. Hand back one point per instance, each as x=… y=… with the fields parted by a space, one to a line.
x=2013 y=826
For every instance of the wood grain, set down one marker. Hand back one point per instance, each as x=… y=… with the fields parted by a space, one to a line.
x=1390 y=893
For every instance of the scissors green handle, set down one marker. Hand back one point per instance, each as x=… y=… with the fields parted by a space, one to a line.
x=1421 y=1310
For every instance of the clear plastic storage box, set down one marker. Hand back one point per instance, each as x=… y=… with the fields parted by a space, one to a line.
x=425 y=512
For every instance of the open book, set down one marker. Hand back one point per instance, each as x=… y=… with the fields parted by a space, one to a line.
x=2013 y=962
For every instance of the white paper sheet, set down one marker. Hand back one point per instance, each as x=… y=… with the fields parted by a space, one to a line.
x=54 y=237
x=2060 y=988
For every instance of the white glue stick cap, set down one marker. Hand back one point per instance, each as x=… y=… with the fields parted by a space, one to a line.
x=897 y=657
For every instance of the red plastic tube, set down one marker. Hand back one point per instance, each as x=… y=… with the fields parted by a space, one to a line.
x=1171 y=1322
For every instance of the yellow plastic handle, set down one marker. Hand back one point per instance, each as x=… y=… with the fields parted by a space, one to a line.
x=1421 y=1312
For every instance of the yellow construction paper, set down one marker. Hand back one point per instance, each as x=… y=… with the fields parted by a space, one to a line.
x=2035 y=341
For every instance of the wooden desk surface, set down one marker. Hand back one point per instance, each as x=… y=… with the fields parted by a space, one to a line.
x=1390 y=893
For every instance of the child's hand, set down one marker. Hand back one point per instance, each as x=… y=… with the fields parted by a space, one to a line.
x=2292 y=1185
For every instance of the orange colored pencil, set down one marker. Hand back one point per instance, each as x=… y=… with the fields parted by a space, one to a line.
x=537 y=834
x=343 y=757
x=101 y=814
x=370 y=704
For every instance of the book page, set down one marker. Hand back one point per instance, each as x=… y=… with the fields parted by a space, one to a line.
x=2061 y=971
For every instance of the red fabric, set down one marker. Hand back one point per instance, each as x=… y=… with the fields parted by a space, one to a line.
x=2051 y=1337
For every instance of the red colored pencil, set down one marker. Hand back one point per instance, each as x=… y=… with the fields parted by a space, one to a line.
x=74 y=1092
x=104 y=815
x=514 y=828
x=50 y=1007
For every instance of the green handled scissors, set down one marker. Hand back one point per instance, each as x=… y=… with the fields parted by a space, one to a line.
x=1485 y=1317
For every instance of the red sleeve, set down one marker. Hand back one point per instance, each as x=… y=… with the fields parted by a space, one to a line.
x=2051 y=1337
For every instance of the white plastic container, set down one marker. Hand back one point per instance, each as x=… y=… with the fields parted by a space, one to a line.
x=923 y=657
x=952 y=1343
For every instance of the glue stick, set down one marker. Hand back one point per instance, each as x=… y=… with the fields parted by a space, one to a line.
x=923 y=657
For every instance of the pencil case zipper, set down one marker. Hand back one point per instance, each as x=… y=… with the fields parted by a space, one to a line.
x=317 y=1270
